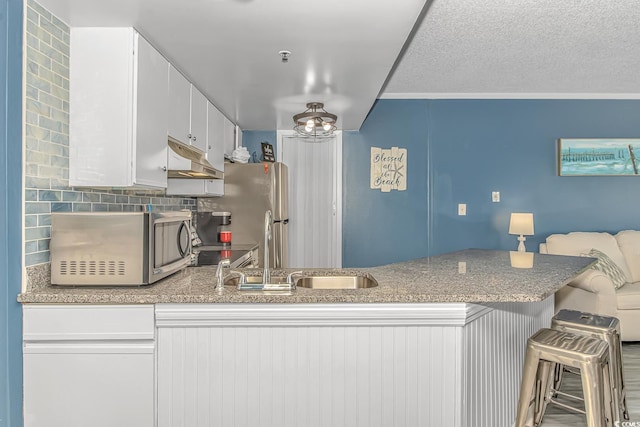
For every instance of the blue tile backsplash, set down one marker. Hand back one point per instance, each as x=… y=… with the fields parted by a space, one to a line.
x=46 y=160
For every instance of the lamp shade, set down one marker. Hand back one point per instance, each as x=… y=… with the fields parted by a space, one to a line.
x=521 y=223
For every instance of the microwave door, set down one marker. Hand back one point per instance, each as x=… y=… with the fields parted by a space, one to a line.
x=172 y=244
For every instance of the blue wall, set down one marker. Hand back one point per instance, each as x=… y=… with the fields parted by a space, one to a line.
x=10 y=212
x=381 y=228
x=252 y=139
x=459 y=151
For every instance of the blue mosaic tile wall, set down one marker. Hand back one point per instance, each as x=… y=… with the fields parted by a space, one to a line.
x=46 y=167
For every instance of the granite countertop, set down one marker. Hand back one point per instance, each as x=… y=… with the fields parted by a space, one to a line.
x=471 y=275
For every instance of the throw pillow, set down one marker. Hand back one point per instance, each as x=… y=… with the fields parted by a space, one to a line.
x=608 y=267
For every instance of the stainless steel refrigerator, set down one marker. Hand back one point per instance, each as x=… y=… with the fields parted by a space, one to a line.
x=250 y=189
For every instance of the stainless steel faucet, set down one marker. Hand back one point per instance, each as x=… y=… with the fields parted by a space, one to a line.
x=219 y=276
x=268 y=220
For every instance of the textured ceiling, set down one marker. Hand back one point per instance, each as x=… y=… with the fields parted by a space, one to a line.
x=522 y=48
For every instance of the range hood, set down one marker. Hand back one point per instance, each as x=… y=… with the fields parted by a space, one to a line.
x=188 y=162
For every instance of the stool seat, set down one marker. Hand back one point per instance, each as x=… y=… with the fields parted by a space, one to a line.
x=578 y=349
x=587 y=321
x=546 y=349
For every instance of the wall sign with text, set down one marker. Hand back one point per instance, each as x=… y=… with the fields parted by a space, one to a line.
x=389 y=169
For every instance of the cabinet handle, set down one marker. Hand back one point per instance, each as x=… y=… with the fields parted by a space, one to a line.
x=194 y=138
x=164 y=168
x=189 y=136
x=209 y=147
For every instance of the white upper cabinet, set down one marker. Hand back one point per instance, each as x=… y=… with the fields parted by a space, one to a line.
x=198 y=129
x=187 y=112
x=179 y=119
x=215 y=137
x=229 y=137
x=216 y=126
x=118 y=108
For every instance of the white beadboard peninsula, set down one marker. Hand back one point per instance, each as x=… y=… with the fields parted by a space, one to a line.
x=439 y=341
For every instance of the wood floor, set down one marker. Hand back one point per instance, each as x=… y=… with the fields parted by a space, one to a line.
x=556 y=417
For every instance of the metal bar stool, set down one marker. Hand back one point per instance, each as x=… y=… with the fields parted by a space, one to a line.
x=549 y=347
x=605 y=328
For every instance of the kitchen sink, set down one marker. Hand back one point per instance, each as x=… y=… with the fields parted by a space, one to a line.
x=310 y=282
x=336 y=282
x=232 y=280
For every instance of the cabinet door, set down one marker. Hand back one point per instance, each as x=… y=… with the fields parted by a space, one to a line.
x=229 y=137
x=215 y=137
x=198 y=128
x=100 y=121
x=179 y=106
x=80 y=386
x=195 y=187
x=89 y=365
x=152 y=100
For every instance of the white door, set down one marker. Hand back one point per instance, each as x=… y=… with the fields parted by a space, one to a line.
x=315 y=199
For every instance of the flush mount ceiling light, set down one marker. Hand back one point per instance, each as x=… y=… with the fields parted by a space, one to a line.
x=315 y=121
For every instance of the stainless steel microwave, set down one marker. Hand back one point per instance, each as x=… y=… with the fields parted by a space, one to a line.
x=118 y=248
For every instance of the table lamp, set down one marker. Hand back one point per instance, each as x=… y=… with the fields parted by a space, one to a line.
x=521 y=224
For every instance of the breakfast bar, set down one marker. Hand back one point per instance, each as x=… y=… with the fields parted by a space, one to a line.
x=438 y=341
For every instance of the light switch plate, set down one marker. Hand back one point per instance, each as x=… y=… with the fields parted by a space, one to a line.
x=462 y=267
x=462 y=209
x=495 y=196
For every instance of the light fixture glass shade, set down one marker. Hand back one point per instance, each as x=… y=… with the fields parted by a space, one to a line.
x=315 y=121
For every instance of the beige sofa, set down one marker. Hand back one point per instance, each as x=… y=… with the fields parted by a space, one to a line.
x=594 y=291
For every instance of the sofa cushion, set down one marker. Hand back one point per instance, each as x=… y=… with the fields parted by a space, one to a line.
x=629 y=297
x=629 y=243
x=581 y=242
x=608 y=267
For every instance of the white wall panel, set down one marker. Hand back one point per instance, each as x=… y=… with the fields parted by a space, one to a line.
x=494 y=348
x=461 y=370
x=305 y=376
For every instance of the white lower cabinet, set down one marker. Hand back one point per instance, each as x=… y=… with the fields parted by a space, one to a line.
x=88 y=365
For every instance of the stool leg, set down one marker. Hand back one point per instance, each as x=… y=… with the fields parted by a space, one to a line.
x=527 y=384
x=618 y=371
x=612 y=410
x=558 y=374
x=545 y=377
x=593 y=389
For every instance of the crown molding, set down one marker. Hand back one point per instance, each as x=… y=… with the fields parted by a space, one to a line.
x=501 y=95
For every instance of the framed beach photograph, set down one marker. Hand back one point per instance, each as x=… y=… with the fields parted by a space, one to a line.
x=599 y=157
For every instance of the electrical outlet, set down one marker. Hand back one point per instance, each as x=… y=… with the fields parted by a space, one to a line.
x=495 y=196
x=462 y=209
